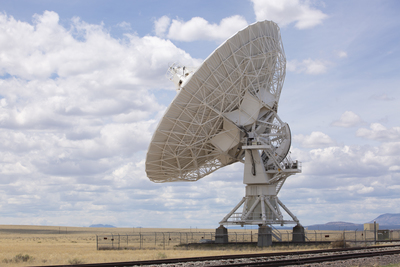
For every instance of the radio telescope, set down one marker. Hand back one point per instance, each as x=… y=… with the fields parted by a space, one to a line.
x=225 y=111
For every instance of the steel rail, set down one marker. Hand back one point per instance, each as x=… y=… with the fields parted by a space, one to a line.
x=276 y=263
x=239 y=256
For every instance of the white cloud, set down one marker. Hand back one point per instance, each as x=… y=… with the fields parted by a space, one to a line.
x=198 y=28
x=55 y=77
x=284 y=12
x=394 y=168
x=334 y=160
x=124 y=25
x=358 y=188
x=365 y=190
x=3 y=102
x=161 y=25
x=76 y=106
x=354 y=163
x=85 y=52
x=344 y=177
x=382 y=97
x=341 y=54
x=348 y=119
x=307 y=66
x=315 y=139
x=16 y=168
x=379 y=132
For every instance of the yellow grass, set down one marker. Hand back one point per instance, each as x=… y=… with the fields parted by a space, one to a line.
x=47 y=245
x=75 y=244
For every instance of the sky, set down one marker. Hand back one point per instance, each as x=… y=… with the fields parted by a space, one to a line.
x=82 y=88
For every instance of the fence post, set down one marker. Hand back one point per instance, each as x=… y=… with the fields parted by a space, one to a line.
x=97 y=243
x=365 y=236
x=112 y=241
x=155 y=239
x=288 y=238
x=119 y=241
x=163 y=240
x=140 y=240
x=344 y=238
x=127 y=238
x=355 y=237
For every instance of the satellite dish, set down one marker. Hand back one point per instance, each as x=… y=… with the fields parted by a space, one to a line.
x=225 y=111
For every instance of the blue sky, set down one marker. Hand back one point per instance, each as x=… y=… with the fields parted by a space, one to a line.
x=82 y=88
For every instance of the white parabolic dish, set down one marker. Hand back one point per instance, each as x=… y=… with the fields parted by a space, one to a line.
x=237 y=86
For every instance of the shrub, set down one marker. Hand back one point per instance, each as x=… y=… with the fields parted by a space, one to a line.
x=339 y=244
x=161 y=255
x=75 y=261
x=23 y=258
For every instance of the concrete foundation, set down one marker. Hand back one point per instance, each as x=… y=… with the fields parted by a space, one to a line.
x=298 y=234
x=221 y=235
x=264 y=236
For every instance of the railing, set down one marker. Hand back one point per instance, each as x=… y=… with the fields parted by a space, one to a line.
x=237 y=216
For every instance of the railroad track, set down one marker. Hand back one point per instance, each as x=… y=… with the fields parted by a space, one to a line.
x=307 y=260
x=261 y=259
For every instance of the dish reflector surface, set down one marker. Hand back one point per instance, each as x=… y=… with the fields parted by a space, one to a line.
x=239 y=83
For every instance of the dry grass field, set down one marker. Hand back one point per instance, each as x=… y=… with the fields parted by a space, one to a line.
x=49 y=245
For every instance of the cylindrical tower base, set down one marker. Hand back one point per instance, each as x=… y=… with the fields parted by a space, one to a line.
x=264 y=236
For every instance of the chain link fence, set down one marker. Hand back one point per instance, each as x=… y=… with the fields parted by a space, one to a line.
x=170 y=240
x=164 y=240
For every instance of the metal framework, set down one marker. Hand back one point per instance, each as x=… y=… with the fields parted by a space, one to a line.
x=225 y=112
x=267 y=166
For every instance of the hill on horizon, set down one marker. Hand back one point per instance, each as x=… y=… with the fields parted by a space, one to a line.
x=387 y=219
x=102 y=225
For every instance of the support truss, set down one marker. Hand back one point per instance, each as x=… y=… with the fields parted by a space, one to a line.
x=261 y=205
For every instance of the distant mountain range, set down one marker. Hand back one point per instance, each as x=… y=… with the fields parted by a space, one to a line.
x=102 y=225
x=386 y=221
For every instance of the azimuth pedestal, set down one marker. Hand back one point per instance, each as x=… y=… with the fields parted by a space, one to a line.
x=261 y=205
